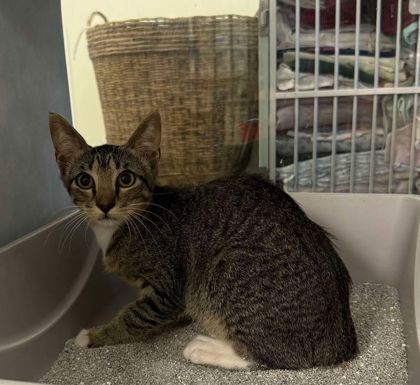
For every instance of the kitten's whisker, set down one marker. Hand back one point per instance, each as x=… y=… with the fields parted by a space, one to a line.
x=156 y=215
x=69 y=234
x=68 y=207
x=145 y=205
x=151 y=235
x=137 y=229
x=129 y=230
x=76 y=215
x=57 y=227
x=68 y=225
x=88 y=221
x=72 y=221
x=131 y=219
x=73 y=232
x=164 y=208
x=139 y=220
x=143 y=217
x=75 y=224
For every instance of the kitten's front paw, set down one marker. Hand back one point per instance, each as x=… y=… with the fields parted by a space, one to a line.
x=82 y=338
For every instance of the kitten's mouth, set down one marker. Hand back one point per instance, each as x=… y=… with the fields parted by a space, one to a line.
x=106 y=221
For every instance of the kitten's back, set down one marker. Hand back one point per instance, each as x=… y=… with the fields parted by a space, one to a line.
x=269 y=272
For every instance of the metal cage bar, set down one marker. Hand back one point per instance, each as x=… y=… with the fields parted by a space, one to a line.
x=394 y=103
x=335 y=99
x=347 y=92
x=316 y=88
x=375 y=97
x=415 y=111
x=263 y=86
x=297 y=73
x=355 y=98
x=272 y=100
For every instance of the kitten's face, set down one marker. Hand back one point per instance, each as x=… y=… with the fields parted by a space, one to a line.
x=108 y=183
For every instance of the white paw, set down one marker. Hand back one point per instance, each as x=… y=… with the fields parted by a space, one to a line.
x=206 y=344
x=82 y=338
x=210 y=351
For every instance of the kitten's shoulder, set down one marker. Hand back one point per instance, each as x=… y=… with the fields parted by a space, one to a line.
x=259 y=190
x=238 y=184
x=246 y=181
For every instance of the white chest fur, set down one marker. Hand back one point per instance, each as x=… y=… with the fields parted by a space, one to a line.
x=104 y=235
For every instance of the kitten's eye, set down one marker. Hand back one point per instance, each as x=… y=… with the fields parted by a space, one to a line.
x=126 y=179
x=84 y=181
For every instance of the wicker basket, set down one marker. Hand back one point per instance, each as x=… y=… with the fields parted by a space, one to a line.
x=201 y=73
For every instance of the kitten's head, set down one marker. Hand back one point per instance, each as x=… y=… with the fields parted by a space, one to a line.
x=108 y=183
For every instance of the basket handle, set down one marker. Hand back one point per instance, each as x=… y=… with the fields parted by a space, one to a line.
x=88 y=25
x=96 y=13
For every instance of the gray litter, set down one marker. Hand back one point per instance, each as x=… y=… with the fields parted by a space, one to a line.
x=382 y=360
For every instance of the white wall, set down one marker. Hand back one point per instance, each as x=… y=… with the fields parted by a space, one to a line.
x=86 y=109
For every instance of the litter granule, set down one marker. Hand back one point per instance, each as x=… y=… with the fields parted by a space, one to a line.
x=382 y=358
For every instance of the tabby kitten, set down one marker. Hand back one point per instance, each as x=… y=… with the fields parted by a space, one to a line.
x=236 y=255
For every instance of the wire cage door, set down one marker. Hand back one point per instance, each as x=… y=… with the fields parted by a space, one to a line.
x=343 y=86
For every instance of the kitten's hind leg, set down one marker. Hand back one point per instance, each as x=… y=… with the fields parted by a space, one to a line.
x=211 y=351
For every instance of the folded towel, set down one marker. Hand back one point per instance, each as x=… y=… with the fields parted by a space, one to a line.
x=286 y=113
x=285 y=144
x=342 y=175
x=309 y=4
x=404 y=111
x=286 y=35
x=402 y=145
x=286 y=80
x=346 y=66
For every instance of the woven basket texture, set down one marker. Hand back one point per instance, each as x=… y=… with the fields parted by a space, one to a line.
x=201 y=73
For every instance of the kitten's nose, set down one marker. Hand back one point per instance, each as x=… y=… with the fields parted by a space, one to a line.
x=105 y=207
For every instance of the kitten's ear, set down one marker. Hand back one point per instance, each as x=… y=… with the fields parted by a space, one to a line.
x=145 y=141
x=68 y=143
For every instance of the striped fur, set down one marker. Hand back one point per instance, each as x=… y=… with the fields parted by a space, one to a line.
x=237 y=255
